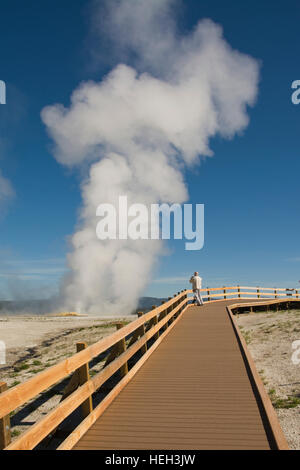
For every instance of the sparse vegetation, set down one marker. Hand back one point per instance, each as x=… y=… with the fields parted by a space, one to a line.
x=36 y=371
x=15 y=383
x=289 y=402
x=270 y=337
x=22 y=366
x=247 y=336
x=37 y=363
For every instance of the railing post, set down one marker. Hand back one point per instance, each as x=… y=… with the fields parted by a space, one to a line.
x=258 y=296
x=142 y=332
x=168 y=311
x=173 y=306
x=275 y=292
x=5 y=434
x=182 y=299
x=296 y=292
x=208 y=295
x=84 y=376
x=225 y=297
x=177 y=303
x=155 y=322
x=121 y=350
x=288 y=294
x=239 y=292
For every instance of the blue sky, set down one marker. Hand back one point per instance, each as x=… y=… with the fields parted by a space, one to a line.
x=250 y=187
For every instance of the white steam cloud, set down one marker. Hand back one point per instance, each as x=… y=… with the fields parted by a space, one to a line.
x=138 y=130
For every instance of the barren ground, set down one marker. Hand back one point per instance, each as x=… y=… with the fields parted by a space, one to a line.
x=269 y=336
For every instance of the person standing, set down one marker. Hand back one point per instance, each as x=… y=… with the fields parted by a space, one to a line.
x=196 y=282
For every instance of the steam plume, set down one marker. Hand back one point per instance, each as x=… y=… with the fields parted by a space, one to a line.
x=137 y=129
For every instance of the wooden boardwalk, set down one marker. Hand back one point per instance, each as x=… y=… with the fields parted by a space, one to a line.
x=193 y=392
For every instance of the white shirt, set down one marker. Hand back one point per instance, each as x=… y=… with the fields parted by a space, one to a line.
x=196 y=281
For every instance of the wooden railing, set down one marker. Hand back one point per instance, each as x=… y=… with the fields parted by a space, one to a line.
x=143 y=334
x=243 y=292
x=267 y=407
x=154 y=326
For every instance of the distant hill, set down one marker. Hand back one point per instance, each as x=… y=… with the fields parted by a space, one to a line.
x=28 y=306
x=146 y=303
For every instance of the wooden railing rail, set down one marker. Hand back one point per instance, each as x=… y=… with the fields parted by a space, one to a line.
x=5 y=434
x=83 y=394
x=242 y=291
x=277 y=433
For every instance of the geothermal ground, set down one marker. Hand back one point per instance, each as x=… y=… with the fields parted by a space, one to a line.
x=269 y=337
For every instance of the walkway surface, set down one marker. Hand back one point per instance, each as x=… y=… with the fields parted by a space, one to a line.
x=192 y=393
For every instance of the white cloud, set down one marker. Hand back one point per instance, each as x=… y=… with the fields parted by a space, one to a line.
x=6 y=189
x=139 y=130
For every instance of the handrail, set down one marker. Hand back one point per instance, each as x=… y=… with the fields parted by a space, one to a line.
x=244 y=290
x=271 y=416
x=17 y=396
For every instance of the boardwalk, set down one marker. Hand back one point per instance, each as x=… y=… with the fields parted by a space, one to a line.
x=192 y=393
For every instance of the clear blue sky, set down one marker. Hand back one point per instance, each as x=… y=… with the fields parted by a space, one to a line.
x=250 y=187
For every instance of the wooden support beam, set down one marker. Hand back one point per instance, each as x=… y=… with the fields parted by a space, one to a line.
x=141 y=333
x=177 y=303
x=168 y=311
x=5 y=434
x=112 y=355
x=83 y=377
x=134 y=337
x=71 y=386
x=174 y=305
x=121 y=350
x=163 y=314
x=157 y=319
